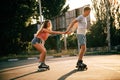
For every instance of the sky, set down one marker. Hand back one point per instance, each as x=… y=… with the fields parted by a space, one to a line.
x=73 y=4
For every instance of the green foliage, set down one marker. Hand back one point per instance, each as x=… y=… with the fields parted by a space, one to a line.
x=51 y=43
x=115 y=35
x=14 y=16
x=54 y=42
x=96 y=37
x=98 y=32
x=17 y=31
x=53 y=8
x=71 y=42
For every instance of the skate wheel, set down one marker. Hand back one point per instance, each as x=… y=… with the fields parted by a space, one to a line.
x=42 y=69
x=86 y=68
x=48 y=68
x=82 y=69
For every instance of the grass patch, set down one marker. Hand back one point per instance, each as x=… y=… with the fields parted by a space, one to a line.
x=102 y=53
x=70 y=52
x=57 y=55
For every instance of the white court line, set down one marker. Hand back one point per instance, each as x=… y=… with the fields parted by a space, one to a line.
x=13 y=59
x=107 y=68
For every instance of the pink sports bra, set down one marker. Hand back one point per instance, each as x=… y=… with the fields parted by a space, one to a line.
x=43 y=35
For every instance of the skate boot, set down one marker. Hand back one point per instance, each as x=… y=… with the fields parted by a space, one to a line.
x=81 y=66
x=43 y=67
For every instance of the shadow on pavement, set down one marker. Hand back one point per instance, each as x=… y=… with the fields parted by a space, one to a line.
x=24 y=75
x=68 y=74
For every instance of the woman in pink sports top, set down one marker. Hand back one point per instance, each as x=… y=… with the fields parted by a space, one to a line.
x=39 y=40
x=43 y=35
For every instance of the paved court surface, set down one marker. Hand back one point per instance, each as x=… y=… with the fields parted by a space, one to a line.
x=105 y=67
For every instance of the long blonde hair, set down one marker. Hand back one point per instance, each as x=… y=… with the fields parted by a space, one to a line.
x=45 y=25
x=50 y=27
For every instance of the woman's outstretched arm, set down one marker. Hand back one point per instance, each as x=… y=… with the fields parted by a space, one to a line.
x=53 y=32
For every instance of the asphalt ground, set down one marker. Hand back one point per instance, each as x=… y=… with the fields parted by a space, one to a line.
x=100 y=67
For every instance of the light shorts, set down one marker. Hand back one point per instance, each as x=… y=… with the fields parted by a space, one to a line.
x=36 y=40
x=81 y=39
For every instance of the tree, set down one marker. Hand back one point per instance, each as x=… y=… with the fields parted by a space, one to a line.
x=115 y=22
x=96 y=37
x=15 y=15
x=101 y=22
x=53 y=8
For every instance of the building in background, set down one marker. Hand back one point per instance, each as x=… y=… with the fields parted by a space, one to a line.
x=63 y=21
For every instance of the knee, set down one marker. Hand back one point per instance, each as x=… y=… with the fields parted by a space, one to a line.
x=44 y=51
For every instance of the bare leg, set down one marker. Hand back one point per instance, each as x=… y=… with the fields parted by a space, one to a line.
x=42 y=50
x=82 y=51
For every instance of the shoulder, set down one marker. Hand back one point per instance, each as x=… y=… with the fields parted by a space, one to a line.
x=45 y=30
x=80 y=17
